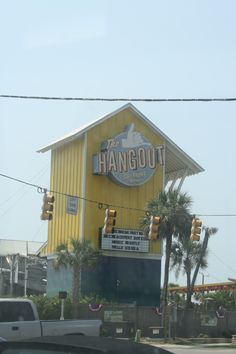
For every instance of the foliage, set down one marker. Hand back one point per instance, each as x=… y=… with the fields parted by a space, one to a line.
x=209 y=231
x=173 y=209
x=227 y=299
x=185 y=256
x=173 y=285
x=178 y=299
x=49 y=308
x=93 y=299
x=189 y=257
x=76 y=256
x=203 y=335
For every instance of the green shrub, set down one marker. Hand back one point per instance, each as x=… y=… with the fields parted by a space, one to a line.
x=49 y=308
x=226 y=334
x=203 y=335
x=92 y=299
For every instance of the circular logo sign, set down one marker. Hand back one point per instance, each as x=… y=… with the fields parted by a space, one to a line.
x=128 y=158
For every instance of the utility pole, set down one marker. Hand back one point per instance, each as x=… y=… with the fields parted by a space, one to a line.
x=203 y=277
x=234 y=292
x=1 y=277
x=25 y=277
x=10 y=260
x=26 y=270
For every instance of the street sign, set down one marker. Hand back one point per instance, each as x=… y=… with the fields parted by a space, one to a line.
x=72 y=205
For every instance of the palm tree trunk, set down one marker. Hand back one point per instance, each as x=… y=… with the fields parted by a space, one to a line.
x=189 y=292
x=203 y=251
x=75 y=293
x=165 y=285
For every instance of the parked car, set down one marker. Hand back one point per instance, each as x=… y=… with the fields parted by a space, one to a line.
x=19 y=319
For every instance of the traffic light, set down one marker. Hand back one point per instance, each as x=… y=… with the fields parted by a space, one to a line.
x=47 y=207
x=196 y=230
x=109 y=221
x=154 y=226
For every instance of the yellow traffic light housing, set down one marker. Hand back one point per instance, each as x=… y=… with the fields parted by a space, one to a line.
x=196 y=230
x=109 y=221
x=47 y=207
x=153 y=228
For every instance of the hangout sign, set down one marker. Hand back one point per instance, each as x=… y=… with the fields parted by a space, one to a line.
x=129 y=159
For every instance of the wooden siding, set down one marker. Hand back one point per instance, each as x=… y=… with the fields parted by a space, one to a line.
x=66 y=177
x=102 y=189
x=67 y=164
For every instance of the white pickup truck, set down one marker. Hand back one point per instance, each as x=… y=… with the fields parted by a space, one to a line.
x=19 y=320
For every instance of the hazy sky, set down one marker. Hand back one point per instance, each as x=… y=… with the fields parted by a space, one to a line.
x=120 y=49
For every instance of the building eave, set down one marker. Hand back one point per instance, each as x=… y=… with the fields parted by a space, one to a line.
x=177 y=159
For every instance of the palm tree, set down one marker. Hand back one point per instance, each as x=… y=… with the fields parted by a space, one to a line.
x=76 y=256
x=185 y=256
x=209 y=231
x=173 y=208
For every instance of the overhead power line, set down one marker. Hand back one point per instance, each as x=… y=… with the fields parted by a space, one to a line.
x=39 y=174
x=43 y=190
x=19 y=180
x=121 y=99
x=22 y=195
x=216 y=214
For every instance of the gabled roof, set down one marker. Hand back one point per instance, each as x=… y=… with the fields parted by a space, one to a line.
x=178 y=163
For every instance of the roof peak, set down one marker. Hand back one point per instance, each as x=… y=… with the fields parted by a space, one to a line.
x=84 y=128
x=185 y=160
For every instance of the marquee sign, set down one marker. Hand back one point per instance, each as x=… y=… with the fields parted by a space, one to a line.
x=125 y=240
x=129 y=158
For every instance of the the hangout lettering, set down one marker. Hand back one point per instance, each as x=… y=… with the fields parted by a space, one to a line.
x=129 y=158
x=134 y=159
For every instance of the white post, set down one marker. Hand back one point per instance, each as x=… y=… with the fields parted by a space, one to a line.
x=16 y=268
x=26 y=277
x=10 y=261
x=62 y=309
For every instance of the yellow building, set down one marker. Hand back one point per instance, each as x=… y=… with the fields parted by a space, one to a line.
x=119 y=161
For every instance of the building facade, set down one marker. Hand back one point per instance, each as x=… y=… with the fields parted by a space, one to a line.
x=22 y=272
x=120 y=161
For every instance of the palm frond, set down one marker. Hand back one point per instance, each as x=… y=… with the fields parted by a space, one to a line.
x=173 y=209
x=210 y=230
x=79 y=254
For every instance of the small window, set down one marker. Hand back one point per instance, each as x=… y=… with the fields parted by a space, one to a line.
x=16 y=311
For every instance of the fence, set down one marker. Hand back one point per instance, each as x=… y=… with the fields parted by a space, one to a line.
x=124 y=320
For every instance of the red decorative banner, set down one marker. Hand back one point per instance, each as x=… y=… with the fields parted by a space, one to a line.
x=220 y=313
x=158 y=311
x=95 y=307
